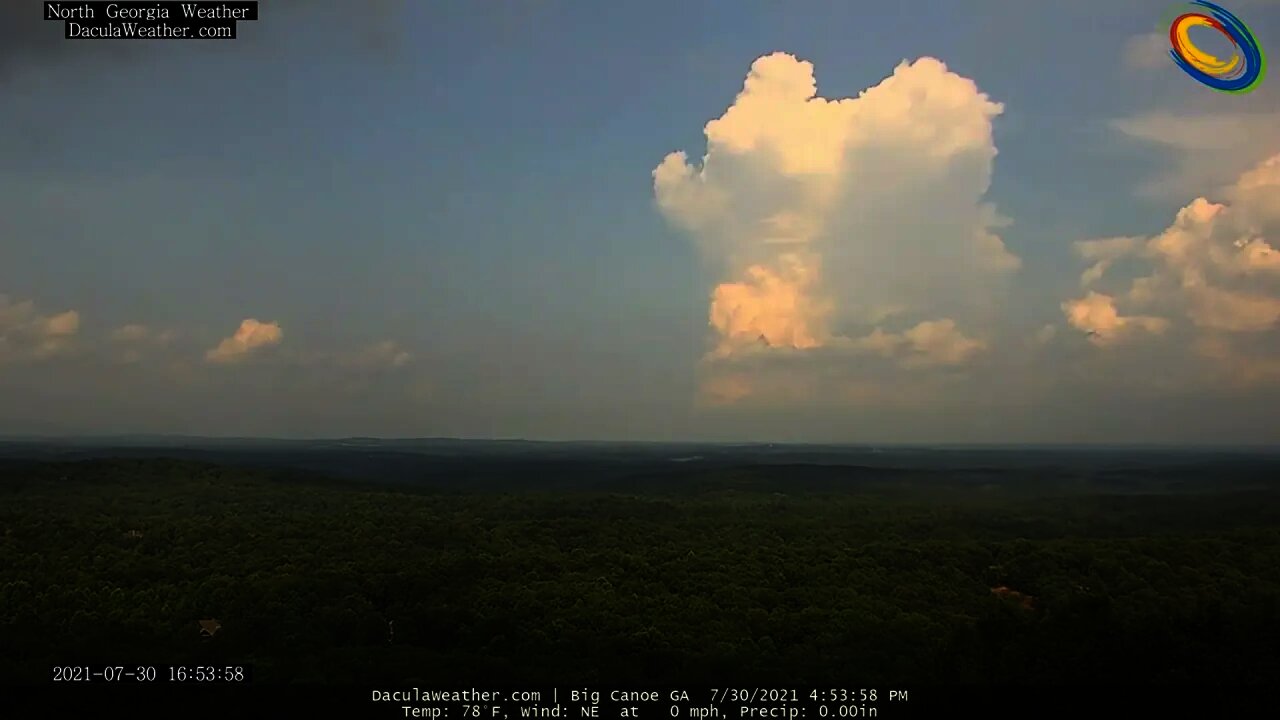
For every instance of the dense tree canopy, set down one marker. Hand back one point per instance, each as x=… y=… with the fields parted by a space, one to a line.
x=727 y=574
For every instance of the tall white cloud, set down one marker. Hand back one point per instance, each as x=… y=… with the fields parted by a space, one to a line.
x=856 y=224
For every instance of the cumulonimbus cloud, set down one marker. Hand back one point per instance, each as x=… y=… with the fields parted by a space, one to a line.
x=250 y=337
x=854 y=224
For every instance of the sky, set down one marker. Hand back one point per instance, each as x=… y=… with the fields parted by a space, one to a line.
x=917 y=222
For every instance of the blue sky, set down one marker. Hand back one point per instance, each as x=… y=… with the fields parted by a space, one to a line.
x=443 y=217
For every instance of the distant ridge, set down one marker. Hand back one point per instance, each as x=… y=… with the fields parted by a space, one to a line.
x=195 y=441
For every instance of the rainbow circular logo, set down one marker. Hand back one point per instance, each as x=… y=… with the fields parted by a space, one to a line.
x=1242 y=72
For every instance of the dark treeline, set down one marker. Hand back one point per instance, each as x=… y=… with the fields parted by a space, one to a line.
x=787 y=574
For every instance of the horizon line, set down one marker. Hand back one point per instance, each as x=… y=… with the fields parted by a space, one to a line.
x=945 y=445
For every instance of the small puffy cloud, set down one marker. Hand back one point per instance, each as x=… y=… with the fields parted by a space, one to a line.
x=1096 y=315
x=60 y=325
x=26 y=333
x=819 y=219
x=250 y=337
x=1215 y=270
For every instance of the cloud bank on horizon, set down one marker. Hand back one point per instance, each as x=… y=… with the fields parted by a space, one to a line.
x=1214 y=272
x=854 y=232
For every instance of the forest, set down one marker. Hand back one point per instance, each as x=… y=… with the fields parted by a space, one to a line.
x=788 y=574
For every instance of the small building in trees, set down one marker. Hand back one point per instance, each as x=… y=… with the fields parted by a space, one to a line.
x=1003 y=591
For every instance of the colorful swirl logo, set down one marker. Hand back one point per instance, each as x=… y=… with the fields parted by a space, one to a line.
x=1240 y=73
